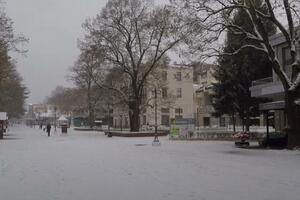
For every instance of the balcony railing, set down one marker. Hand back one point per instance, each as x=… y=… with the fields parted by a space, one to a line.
x=262 y=81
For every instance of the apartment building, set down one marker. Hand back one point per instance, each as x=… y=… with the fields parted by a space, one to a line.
x=42 y=113
x=271 y=87
x=204 y=79
x=174 y=100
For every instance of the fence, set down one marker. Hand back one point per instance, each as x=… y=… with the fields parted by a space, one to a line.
x=223 y=133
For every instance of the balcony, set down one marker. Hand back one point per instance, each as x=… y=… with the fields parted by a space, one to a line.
x=262 y=81
x=266 y=87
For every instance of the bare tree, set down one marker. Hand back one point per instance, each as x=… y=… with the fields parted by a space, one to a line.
x=68 y=100
x=217 y=16
x=84 y=73
x=9 y=41
x=134 y=38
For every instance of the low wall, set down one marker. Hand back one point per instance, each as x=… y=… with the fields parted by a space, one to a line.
x=83 y=129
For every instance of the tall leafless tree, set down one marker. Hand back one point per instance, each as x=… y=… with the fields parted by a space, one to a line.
x=134 y=36
x=84 y=74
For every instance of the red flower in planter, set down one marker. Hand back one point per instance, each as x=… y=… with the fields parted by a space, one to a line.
x=242 y=136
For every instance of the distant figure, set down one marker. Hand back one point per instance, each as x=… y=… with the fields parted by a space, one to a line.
x=156 y=138
x=48 y=129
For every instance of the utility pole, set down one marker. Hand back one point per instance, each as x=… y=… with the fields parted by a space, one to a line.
x=155 y=108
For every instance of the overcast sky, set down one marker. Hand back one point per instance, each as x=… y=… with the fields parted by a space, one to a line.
x=53 y=27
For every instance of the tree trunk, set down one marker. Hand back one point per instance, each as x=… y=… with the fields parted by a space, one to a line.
x=90 y=107
x=91 y=117
x=293 y=117
x=247 y=122
x=134 y=114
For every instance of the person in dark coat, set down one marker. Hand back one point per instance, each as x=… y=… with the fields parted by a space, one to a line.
x=48 y=129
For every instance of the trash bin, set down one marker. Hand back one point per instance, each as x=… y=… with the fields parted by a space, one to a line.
x=64 y=128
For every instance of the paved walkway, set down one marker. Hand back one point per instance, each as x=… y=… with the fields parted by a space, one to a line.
x=91 y=166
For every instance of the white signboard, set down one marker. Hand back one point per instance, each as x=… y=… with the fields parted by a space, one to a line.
x=3 y=116
x=182 y=128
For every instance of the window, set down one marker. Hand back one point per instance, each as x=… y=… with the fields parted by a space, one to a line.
x=222 y=122
x=165 y=120
x=179 y=93
x=286 y=56
x=178 y=117
x=164 y=75
x=206 y=121
x=165 y=110
x=144 y=120
x=178 y=76
x=179 y=111
x=164 y=92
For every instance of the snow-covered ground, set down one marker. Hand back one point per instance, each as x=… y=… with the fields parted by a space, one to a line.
x=90 y=166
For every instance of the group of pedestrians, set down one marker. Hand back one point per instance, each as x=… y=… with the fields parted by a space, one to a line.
x=47 y=128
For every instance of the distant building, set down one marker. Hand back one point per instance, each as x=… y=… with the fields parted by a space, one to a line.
x=175 y=100
x=180 y=91
x=41 y=114
x=204 y=80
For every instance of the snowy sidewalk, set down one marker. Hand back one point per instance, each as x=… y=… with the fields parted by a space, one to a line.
x=91 y=166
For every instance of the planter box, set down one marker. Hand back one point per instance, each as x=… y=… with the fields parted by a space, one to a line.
x=242 y=143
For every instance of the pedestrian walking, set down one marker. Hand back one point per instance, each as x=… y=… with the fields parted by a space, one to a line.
x=48 y=129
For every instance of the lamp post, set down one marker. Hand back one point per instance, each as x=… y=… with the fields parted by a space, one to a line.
x=155 y=109
x=108 y=120
x=54 y=118
x=121 y=123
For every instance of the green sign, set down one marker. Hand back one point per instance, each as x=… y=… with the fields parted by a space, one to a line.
x=174 y=132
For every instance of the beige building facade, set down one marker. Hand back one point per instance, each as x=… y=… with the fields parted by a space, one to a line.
x=204 y=110
x=175 y=100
